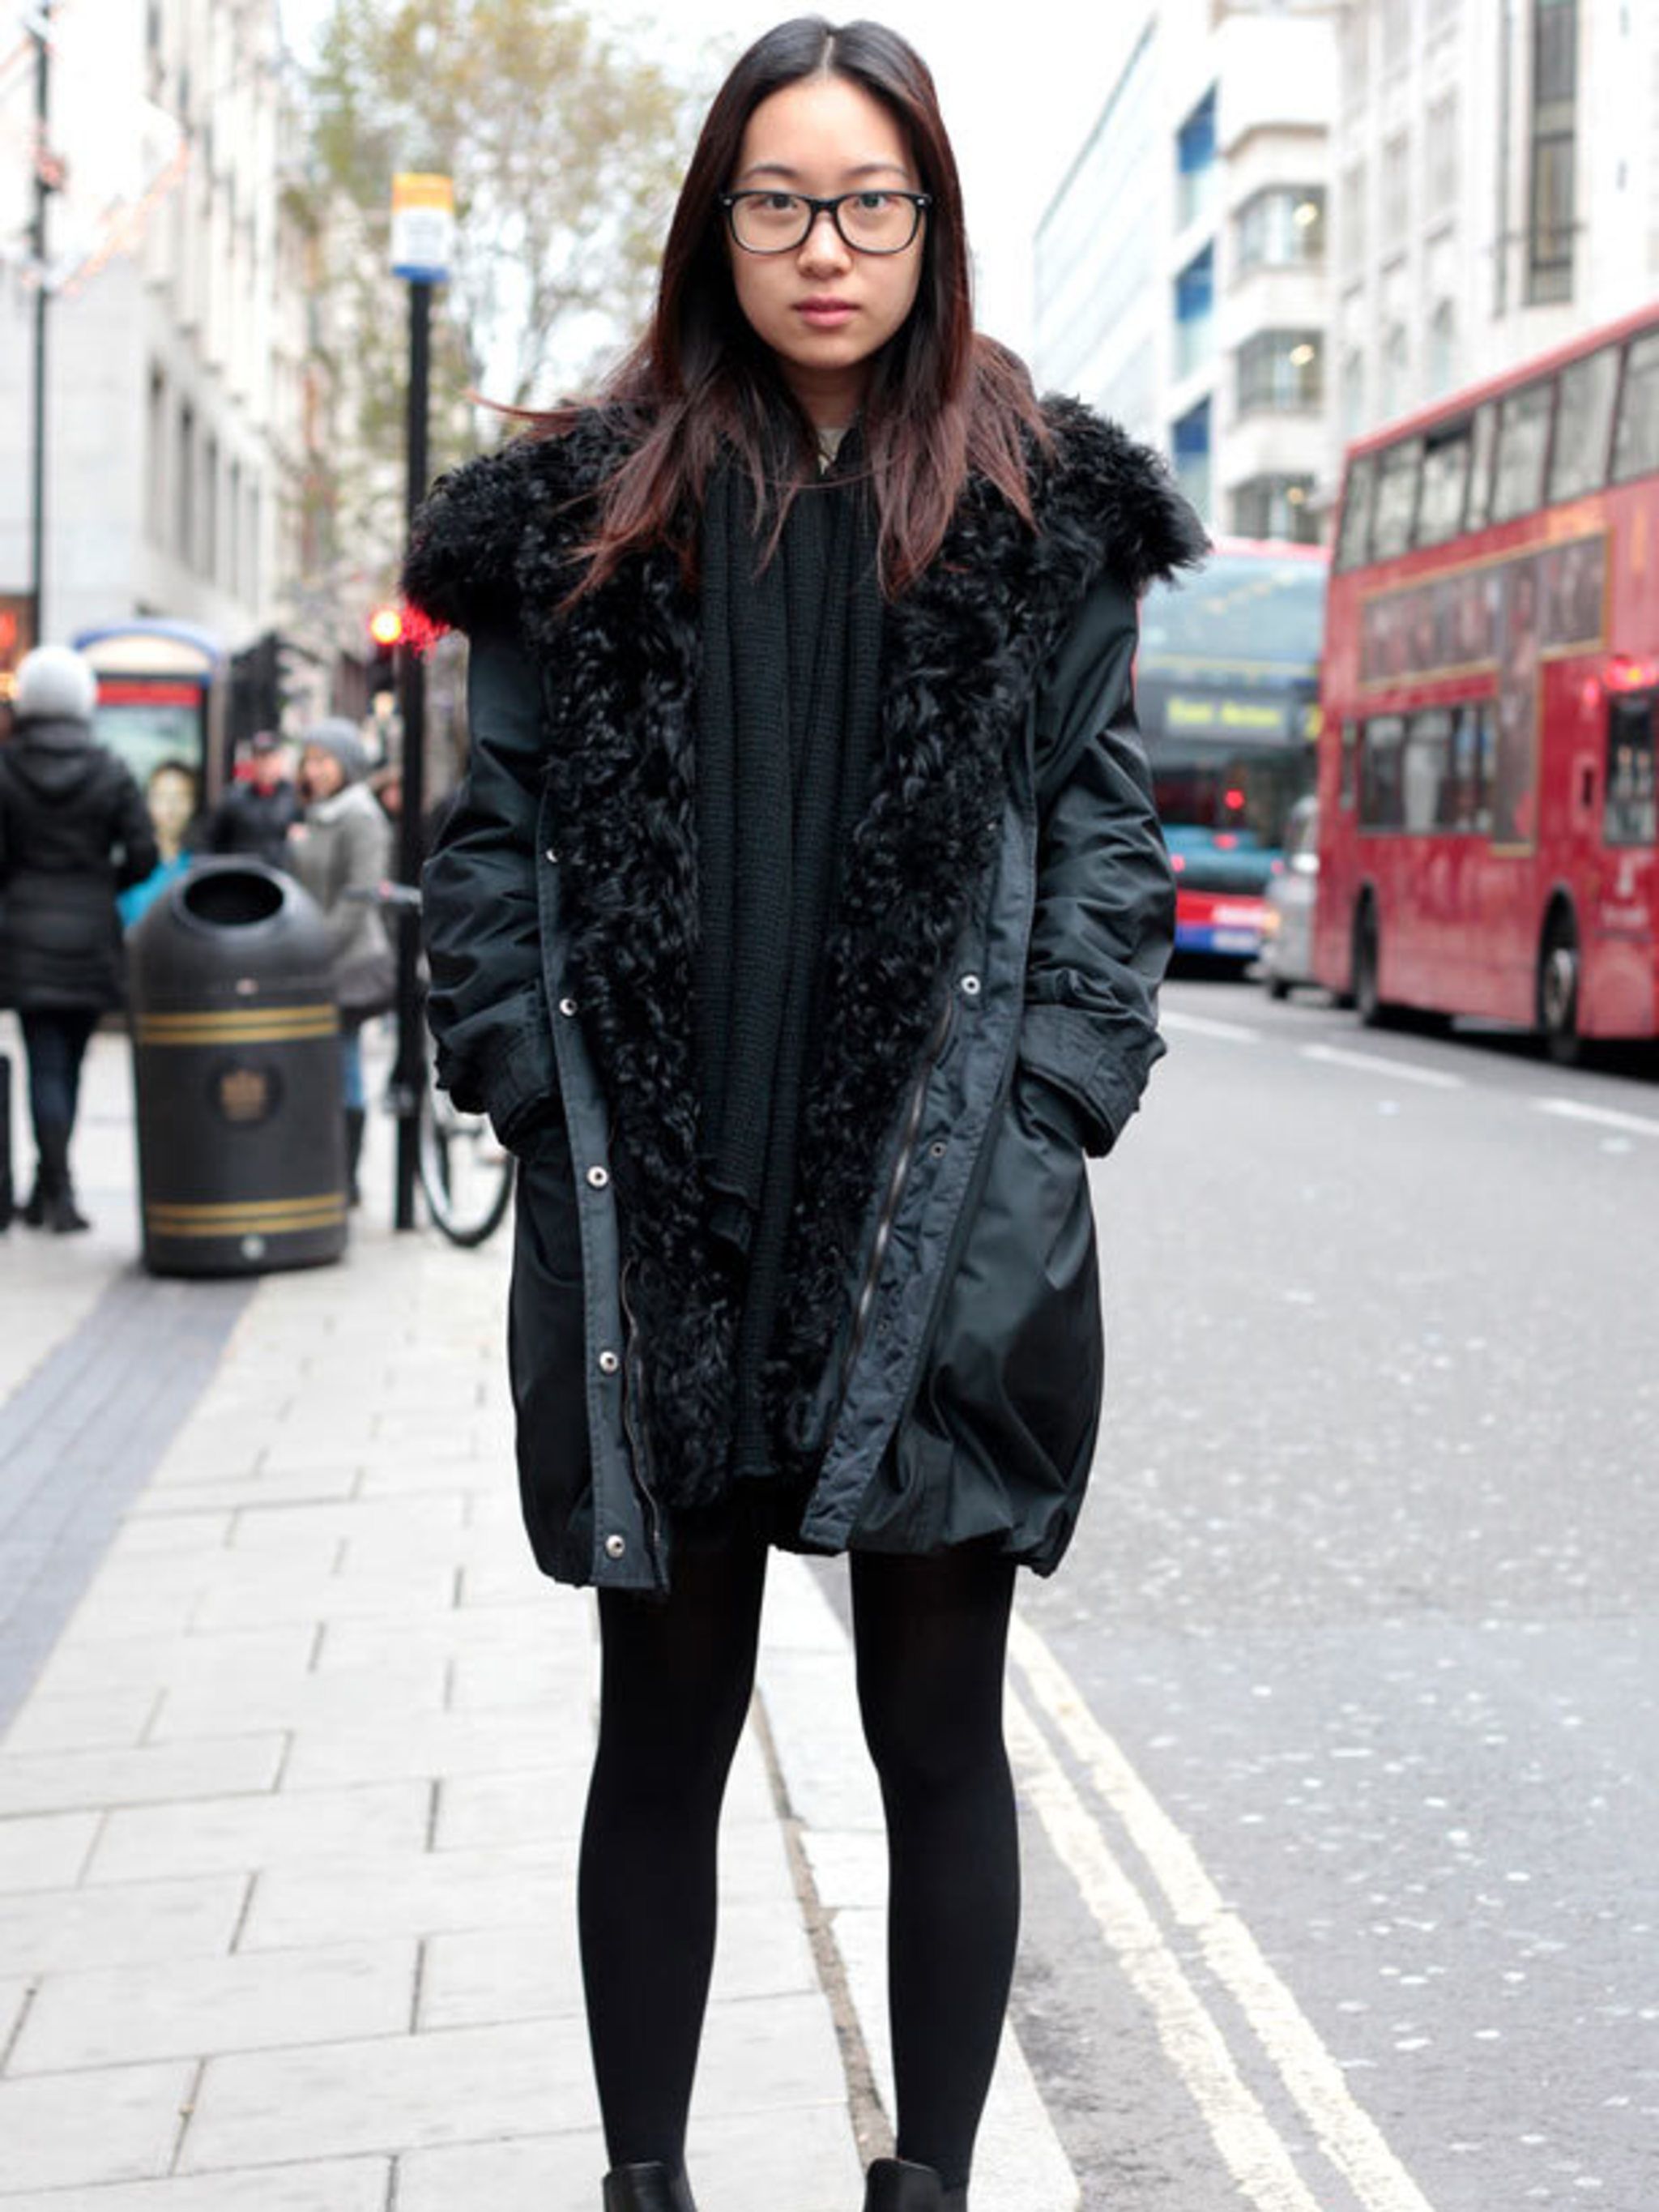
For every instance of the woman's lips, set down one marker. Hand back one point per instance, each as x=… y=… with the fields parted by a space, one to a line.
x=825 y=315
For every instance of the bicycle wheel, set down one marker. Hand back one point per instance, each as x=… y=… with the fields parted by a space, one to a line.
x=466 y=1175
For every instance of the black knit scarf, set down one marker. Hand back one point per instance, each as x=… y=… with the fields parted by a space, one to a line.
x=787 y=724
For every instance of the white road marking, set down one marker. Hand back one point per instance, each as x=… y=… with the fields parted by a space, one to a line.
x=1253 y=2152
x=1348 y=2135
x=1203 y=1025
x=1605 y=1117
x=1376 y=1063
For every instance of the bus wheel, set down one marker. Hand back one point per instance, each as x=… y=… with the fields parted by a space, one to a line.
x=1367 y=997
x=1557 y=991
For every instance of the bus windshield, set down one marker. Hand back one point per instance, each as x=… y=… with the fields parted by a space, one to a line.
x=1227 y=685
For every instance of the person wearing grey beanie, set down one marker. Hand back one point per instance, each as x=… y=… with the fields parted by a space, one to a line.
x=74 y=831
x=344 y=845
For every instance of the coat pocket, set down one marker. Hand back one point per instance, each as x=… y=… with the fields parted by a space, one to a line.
x=546 y=1361
x=1016 y=1371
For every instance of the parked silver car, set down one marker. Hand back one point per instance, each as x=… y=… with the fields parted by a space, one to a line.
x=1288 y=929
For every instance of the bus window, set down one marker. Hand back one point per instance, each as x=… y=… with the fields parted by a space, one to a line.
x=1348 y=766
x=1396 y=499
x=1579 y=462
x=1485 y=437
x=1353 y=539
x=1630 y=801
x=1380 y=798
x=1445 y=479
x=1523 y=436
x=1425 y=781
x=1635 y=449
x=1471 y=768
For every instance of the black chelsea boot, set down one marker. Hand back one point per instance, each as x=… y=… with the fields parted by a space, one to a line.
x=893 y=2185
x=647 y=2188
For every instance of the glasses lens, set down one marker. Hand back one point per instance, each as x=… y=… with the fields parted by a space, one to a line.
x=769 y=222
x=879 y=222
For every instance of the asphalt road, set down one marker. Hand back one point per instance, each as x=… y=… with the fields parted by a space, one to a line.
x=1339 y=1729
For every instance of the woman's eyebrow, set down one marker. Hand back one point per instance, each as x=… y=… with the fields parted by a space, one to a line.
x=858 y=169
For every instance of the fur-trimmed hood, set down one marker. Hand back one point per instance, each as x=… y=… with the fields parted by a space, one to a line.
x=496 y=535
x=963 y=653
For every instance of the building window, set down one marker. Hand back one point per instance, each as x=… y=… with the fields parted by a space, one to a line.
x=1282 y=228
x=1551 y=223
x=1396 y=208
x=1440 y=159
x=1396 y=35
x=1195 y=162
x=211 y=512
x=1442 y=348
x=1191 y=442
x=1275 y=507
x=1194 y=309
x=156 y=457
x=233 y=531
x=1353 y=394
x=1396 y=368
x=184 y=520
x=1282 y=370
x=1353 y=215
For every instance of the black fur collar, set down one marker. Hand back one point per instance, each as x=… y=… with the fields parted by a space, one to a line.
x=964 y=649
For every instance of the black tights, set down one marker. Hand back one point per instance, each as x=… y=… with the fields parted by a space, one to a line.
x=932 y=1635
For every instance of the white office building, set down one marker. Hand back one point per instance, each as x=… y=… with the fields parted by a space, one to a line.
x=175 y=349
x=1497 y=189
x=1181 y=282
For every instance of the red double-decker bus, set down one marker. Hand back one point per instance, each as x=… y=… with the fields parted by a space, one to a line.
x=1490 y=677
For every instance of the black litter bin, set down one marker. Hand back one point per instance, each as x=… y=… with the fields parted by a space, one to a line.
x=236 y=1065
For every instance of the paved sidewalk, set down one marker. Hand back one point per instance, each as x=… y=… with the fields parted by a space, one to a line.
x=288 y=1819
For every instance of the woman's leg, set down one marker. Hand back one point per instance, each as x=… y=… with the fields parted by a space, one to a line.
x=932 y=1636
x=676 y=1686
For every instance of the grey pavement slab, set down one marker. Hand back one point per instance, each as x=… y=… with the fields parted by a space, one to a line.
x=244 y=2002
x=360 y=1825
x=356 y=2184
x=153 y=1922
x=46 y=1850
x=117 y=2123
x=207 y=1766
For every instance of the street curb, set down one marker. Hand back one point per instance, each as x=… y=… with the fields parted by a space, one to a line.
x=808 y=1690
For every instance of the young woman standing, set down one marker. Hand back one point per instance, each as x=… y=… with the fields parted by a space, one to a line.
x=799 y=924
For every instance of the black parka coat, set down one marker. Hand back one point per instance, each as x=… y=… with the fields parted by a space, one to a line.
x=74 y=831
x=989 y=1013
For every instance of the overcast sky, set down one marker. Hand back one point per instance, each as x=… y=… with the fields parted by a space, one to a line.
x=1019 y=100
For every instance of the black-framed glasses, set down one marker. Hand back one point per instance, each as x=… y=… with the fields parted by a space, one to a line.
x=870 y=222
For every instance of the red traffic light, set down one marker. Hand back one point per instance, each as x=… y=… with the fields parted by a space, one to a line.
x=386 y=626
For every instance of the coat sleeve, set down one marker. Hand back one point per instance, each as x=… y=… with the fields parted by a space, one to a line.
x=487 y=1007
x=1105 y=922
x=134 y=833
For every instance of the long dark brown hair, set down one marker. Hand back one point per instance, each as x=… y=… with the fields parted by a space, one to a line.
x=942 y=400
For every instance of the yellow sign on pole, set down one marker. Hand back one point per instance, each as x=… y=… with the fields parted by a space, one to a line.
x=422 y=226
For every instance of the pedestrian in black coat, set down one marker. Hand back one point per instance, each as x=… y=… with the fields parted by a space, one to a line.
x=74 y=831
x=799 y=924
x=261 y=806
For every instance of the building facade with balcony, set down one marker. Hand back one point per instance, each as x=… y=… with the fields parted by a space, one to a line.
x=171 y=321
x=1497 y=189
x=1182 y=283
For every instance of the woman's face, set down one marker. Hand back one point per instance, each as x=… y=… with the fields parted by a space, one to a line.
x=321 y=774
x=172 y=797
x=823 y=309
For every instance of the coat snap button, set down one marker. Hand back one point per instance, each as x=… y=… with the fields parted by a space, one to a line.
x=567 y=1007
x=598 y=1177
x=937 y=1149
x=609 y=1363
x=615 y=1546
x=970 y=987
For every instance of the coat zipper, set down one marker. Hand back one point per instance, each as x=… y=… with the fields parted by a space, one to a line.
x=910 y=1130
x=633 y=1401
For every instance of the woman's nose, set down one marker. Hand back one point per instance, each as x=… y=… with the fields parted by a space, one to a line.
x=824 y=247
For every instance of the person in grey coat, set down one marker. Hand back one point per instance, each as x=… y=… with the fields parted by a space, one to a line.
x=74 y=831
x=344 y=845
